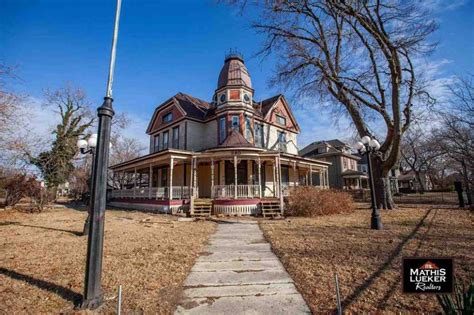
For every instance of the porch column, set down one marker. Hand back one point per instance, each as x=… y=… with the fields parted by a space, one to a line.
x=195 y=185
x=235 y=177
x=212 y=177
x=150 y=181
x=134 y=183
x=121 y=183
x=295 y=175
x=274 y=179
x=259 y=166
x=170 y=193
x=311 y=175
x=321 y=180
x=327 y=178
x=279 y=185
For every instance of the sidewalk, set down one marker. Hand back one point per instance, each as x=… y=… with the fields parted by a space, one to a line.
x=239 y=274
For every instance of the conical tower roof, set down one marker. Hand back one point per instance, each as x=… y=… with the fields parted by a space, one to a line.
x=234 y=72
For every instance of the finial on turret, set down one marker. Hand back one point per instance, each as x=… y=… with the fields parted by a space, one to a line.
x=234 y=54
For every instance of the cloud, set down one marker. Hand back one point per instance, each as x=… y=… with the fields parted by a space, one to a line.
x=442 y=5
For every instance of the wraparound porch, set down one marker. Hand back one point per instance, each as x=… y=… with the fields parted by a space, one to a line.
x=232 y=179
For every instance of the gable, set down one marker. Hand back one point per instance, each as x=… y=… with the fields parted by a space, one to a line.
x=281 y=109
x=158 y=122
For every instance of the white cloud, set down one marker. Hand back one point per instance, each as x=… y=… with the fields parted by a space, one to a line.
x=442 y=5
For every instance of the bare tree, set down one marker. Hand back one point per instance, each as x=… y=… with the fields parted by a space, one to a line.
x=420 y=153
x=456 y=134
x=357 y=55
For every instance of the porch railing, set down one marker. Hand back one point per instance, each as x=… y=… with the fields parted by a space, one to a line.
x=229 y=191
x=177 y=192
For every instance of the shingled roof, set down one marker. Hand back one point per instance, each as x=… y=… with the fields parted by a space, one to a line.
x=235 y=139
x=202 y=110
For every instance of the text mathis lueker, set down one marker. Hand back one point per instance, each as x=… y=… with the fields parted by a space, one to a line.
x=428 y=275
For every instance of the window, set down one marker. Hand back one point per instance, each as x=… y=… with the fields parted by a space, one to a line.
x=164 y=177
x=176 y=137
x=258 y=131
x=248 y=128
x=281 y=120
x=222 y=98
x=156 y=143
x=222 y=129
x=165 y=140
x=235 y=123
x=282 y=141
x=168 y=118
x=344 y=163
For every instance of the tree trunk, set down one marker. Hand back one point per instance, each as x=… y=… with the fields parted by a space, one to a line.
x=383 y=193
x=420 y=183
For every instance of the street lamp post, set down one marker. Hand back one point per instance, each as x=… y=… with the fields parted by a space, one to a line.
x=88 y=147
x=368 y=146
x=93 y=296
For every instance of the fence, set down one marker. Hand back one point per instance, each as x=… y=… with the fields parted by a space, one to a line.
x=429 y=197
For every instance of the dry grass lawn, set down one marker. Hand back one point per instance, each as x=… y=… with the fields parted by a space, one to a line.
x=42 y=260
x=368 y=263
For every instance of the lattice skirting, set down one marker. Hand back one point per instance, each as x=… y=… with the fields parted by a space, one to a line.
x=151 y=207
x=237 y=209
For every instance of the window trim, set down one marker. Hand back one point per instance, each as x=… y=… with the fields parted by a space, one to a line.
x=258 y=138
x=280 y=117
x=167 y=134
x=164 y=120
x=232 y=123
x=222 y=126
x=156 y=143
x=175 y=140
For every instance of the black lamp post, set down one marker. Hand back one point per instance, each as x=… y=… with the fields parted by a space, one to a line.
x=93 y=296
x=88 y=147
x=368 y=146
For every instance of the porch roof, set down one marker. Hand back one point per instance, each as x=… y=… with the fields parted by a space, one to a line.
x=353 y=174
x=217 y=153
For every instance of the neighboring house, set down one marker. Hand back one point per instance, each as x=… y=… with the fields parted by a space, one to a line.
x=392 y=176
x=234 y=150
x=344 y=171
x=408 y=182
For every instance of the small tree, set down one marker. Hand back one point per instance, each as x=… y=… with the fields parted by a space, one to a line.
x=56 y=164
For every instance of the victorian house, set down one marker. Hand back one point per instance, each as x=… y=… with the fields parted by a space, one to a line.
x=233 y=153
x=345 y=171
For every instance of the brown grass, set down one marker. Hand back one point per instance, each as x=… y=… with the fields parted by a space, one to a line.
x=368 y=262
x=309 y=201
x=42 y=260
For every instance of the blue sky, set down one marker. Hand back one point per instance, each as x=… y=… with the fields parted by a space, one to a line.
x=170 y=46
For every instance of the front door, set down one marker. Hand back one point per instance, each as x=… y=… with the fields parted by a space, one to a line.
x=241 y=173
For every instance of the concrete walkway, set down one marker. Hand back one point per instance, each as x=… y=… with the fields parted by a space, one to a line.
x=239 y=274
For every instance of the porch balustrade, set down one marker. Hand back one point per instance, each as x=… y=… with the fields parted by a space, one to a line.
x=229 y=191
x=177 y=192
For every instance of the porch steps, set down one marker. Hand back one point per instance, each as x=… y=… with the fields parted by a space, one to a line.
x=271 y=208
x=201 y=207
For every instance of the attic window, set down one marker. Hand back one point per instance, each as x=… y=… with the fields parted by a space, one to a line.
x=281 y=120
x=168 y=117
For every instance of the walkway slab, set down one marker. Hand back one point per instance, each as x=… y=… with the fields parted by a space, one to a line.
x=237 y=273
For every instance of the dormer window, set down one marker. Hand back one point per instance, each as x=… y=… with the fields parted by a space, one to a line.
x=168 y=118
x=281 y=120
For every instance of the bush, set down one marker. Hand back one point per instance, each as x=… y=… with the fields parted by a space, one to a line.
x=21 y=186
x=310 y=202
